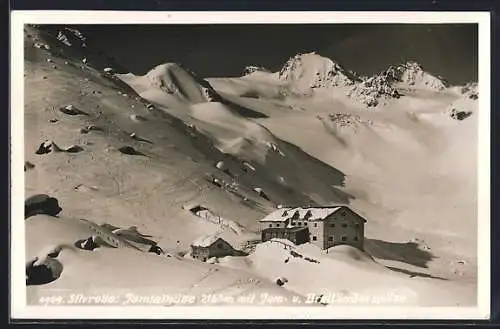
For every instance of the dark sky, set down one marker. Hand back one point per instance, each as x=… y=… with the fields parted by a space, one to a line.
x=448 y=50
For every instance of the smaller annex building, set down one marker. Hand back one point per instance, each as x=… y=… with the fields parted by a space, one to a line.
x=212 y=246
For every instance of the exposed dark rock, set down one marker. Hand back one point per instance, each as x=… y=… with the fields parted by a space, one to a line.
x=44 y=273
x=157 y=250
x=137 y=118
x=281 y=281
x=86 y=244
x=49 y=146
x=74 y=149
x=261 y=193
x=140 y=139
x=28 y=165
x=71 y=110
x=41 y=204
x=44 y=148
x=129 y=150
x=459 y=115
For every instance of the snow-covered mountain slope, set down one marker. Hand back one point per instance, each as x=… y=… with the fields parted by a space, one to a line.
x=151 y=145
x=410 y=164
x=106 y=186
x=174 y=164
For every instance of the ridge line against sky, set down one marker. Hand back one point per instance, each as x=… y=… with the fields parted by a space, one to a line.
x=224 y=50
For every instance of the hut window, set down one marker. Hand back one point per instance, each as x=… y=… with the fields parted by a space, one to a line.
x=344 y=225
x=356 y=238
x=315 y=224
x=278 y=225
x=315 y=238
x=344 y=238
x=219 y=245
x=332 y=225
x=299 y=223
x=342 y=213
x=270 y=225
x=330 y=238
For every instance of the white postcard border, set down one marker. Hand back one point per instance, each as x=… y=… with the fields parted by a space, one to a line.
x=19 y=309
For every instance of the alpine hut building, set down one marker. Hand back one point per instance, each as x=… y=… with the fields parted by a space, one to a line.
x=322 y=226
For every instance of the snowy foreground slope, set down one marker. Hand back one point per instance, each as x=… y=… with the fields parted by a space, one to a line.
x=304 y=135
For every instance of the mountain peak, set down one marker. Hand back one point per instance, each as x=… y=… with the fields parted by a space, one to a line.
x=412 y=74
x=412 y=65
x=311 y=70
x=177 y=80
x=254 y=68
x=374 y=90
